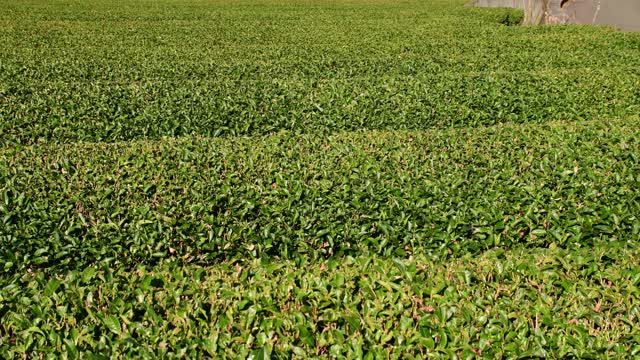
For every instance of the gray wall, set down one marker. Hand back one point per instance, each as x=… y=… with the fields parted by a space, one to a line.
x=518 y=4
x=623 y=14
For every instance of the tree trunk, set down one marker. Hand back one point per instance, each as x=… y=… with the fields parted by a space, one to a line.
x=535 y=11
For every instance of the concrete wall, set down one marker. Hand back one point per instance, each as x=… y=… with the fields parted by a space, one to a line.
x=517 y=4
x=623 y=14
x=535 y=11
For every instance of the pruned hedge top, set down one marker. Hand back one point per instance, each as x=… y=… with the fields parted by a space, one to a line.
x=198 y=199
x=104 y=72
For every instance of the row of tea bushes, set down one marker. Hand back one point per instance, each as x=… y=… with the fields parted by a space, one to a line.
x=540 y=303
x=384 y=192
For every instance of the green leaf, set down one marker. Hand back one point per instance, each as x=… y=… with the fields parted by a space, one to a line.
x=72 y=351
x=113 y=324
x=88 y=274
x=51 y=287
x=260 y=354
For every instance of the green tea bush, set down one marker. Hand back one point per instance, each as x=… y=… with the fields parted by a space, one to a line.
x=388 y=193
x=528 y=303
x=105 y=72
x=282 y=179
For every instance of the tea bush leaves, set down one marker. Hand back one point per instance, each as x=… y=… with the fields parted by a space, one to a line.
x=104 y=72
x=280 y=179
x=524 y=303
x=388 y=193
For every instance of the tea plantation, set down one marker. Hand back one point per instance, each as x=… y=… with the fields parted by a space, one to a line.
x=315 y=179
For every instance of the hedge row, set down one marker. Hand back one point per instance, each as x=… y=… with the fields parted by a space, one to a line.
x=391 y=193
x=104 y=72
x=516 y=304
